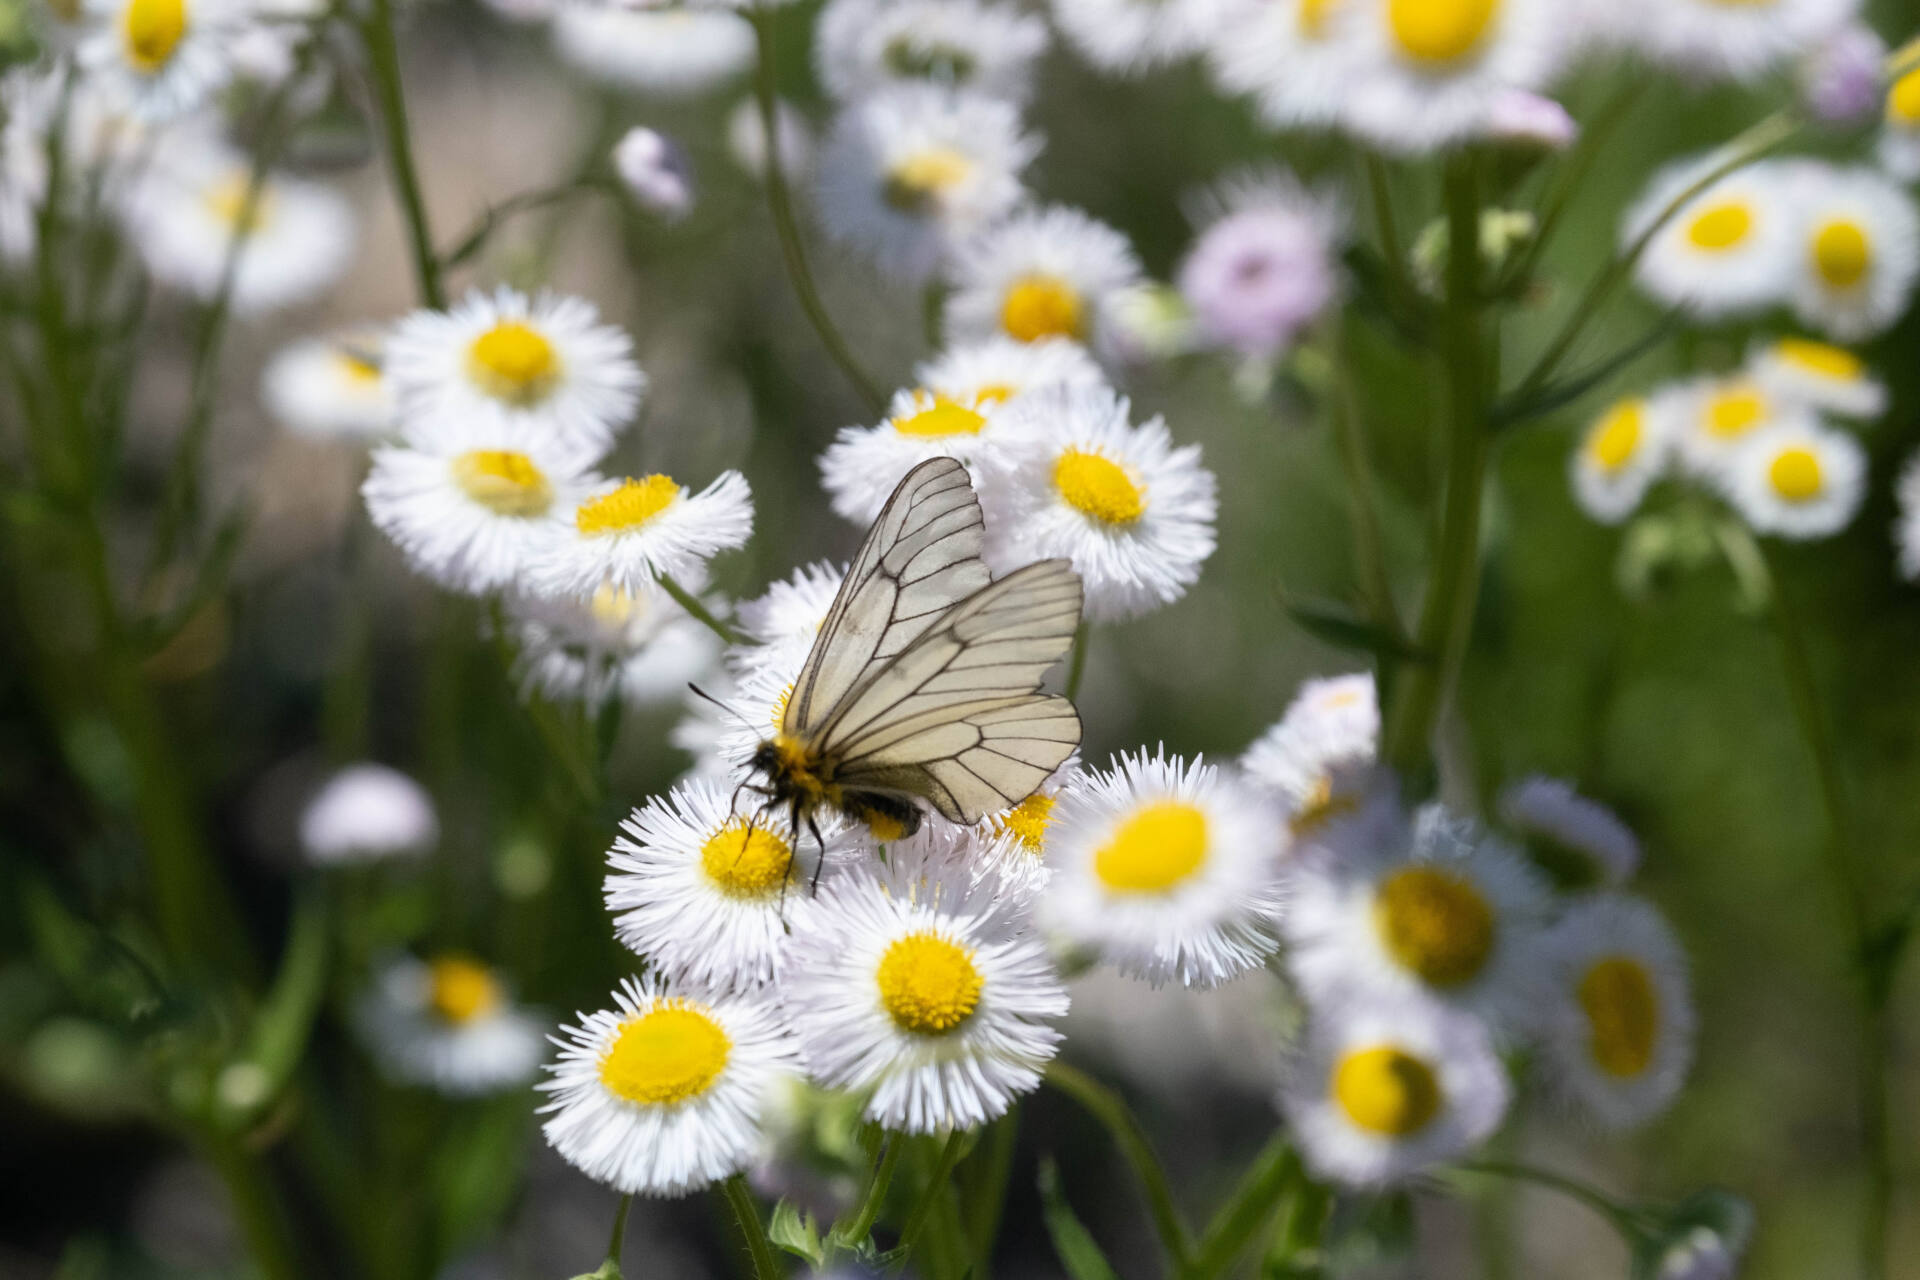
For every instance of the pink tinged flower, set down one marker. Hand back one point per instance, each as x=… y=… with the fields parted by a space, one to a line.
x=1531 y=119
x=1259 y=275
x=1840 y=82
x=655 y=172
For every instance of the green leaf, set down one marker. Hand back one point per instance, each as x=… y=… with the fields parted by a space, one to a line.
x=796 y=1233
x=1343 y=627
x=1072 y=1242
x=1557 y=395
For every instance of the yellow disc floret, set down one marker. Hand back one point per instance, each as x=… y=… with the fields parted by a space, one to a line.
x=1099 y=487
x=746 y=863
x=672 y=1053
x=153 y=30
x=1735 y=411
x=1616 y=437
x=1156 y=849
x=916 y=184
x=631 y=505
x=1387 y=1091
x=234 y=202
x=1441 y=30
x=928 y=984
x=1795 y=474
x=1623 y=1013
x=1903 y=101
x=1842 y=253
x=505 y=482
x=514 y=362
x=1720 y=227
x=940 y=417
x=1822 y=358
x=1027 y=822
x=1435 y=923
x=461 y=989
x=1042 y=306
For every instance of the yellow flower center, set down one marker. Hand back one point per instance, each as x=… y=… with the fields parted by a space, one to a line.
x=358 y=367
x=928 y=984
x=513 y=362
x=943 y=417
x=461 y=989
x=1720 y=227
x=1313 y=17
x=1823 y=359
x=1154 y=850
x=1616 y=437
x=1842 y=254
x=916 y=184
x=227 y=200
x=1903 y=100
x=1623 y=1011
x=746 y=863
x=671 y=1053
x=1098 y=487
x=995 y=393
x=1440 y=30
x=1435 y=923
x=1027 y=822
x=631 y=505
x=1734 y=412
x=1041 y=307
x=1795 y=474
x=153 y=30
x=504 y=482
x=1387 y=1091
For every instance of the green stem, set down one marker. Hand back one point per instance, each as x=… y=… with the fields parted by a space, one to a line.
x=1622 y=1218
x=383 y=59
x=1107 y=1107
x=989 y=1191
x=1380 y=195
x=699 y=612
x=270 y=1245
x=1573 y=173
x=1369 y=545
x=1077 y=664
x=936 y=1187
x=780 y=202
x=747 y=1215
x=619 y=1240
x=876 y=1197
x=1250 y=1207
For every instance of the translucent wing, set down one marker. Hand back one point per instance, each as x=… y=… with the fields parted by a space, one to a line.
x=956 y=718
x=921 y=557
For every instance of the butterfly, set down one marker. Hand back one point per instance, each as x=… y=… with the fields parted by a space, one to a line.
x=923 y=683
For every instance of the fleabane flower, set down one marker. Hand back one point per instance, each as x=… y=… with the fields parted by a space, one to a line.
x=1797 y=480
x=668 y=52
x=449 y=1023
x=629 y=533
x=1715 y=418
x=1620 y=1044
x=909 y=173
x=1581 y=841
x=1715 y=40
x=912 y=987
x=723 y=729
x=1383 y=1091
x=368 y=813
x=476 y=518
x=786 y=617
x=1728 y=250
x=1169 y=871
x=1264 y=266
x=1623 y=451
x=1320 y=750
x=862 y=47
x=863 y=465
x=544 y=366
x=1000 y=369
x=665 y=1093
x=1051 y=272
x=161 y=58
x=1294 y=58
x=1126 y=37
x=1859 y=251
x=637 y=646
x=704 y=893
x=1071 y=476
x=1417 y=906
x=331 y=387
x=1818 y=375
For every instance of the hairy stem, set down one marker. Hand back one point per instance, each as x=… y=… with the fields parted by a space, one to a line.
x=746 y=1214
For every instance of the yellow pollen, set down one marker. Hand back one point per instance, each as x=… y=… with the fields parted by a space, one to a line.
x=1842 y=254
x=1434 y=923
x=928 y=985
x=1721 y=227
x=1387 y=1091
x=153 y=30
x=513 y=362
x=1795 y=474
x=461 y=989
x=671 y=1053
x=505 y=482
x=916 y=184
x=631 y=505
x=1027 y=822
x=1903 y=100
x=943 y=417
x=1098 y=487
x=1734 y=412
x=1616 y=437
x=1440 y=30
x=1623 y=1012
x=746 y=864
x=1821 y=358
x=1153 y=851
x=1039 y=307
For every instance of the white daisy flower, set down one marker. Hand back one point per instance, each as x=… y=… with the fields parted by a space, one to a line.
x=367 y=813
x=669 y=52
x=450 y=1024
x=1000 y=369
x=1319 y=750
x=1170 y=871
x=747 y=140
x=864 y=46
x=475 y=519
x=629 y=533
x=1383 y=1091
x=665 y=1094
x=1264 y=266
x=1899 y=148
x=1582 y=839
x=704 y=893
x=908 y=173
x=543 y=366
x=724 y=729
x=1825 y=378
x=1711 y=39
x=1072 y=477
x=639 y=646
x=917 y=992
x=331 y=387
x=1620 y=1048
x=1624 y=451
x=1124 y=37
x=1906 y=529
x=1798 y=480
x=863 y=465
x=1716 y=417
x=787 y=616
x=1859 y=251
x=1730 y=249
x=184 y=216
x=1043 y=273
x=1295 y=58
x=1423 y=906
x=161 y=58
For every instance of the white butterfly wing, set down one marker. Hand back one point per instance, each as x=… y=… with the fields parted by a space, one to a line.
x=921 y=557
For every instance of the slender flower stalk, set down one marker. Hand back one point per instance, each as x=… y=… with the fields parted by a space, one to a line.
x=383 y=61
x=1107 y=1107
x=746 y=1214
x=861 y=1225
x=1250 y=1207
x=698 y=611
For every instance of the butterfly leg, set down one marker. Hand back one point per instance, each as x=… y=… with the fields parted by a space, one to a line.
x=821 y=865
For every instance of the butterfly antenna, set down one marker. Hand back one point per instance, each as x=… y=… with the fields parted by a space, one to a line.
x=735 y=712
